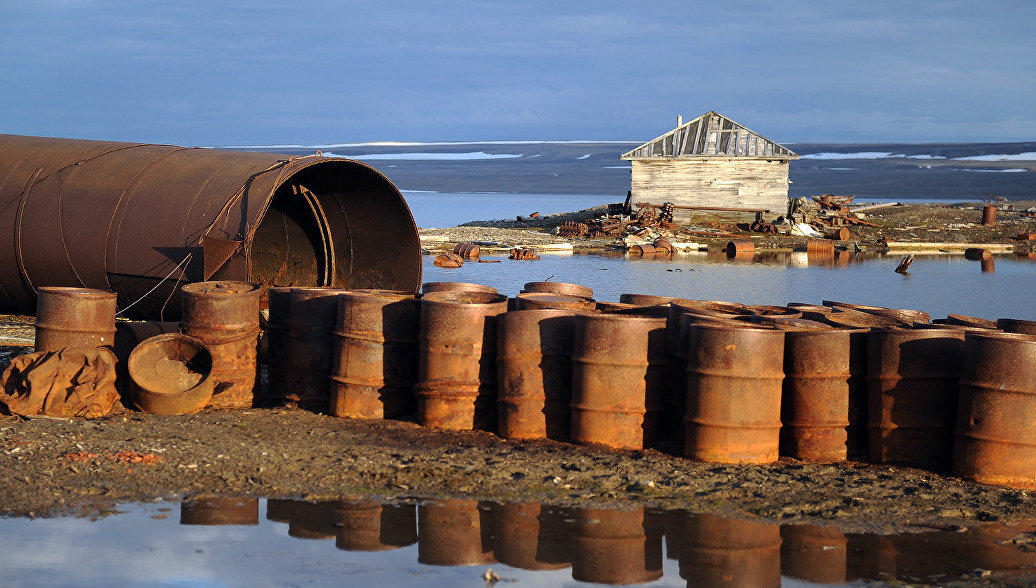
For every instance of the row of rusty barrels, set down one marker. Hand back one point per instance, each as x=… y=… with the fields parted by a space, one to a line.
x=622 y=547
x=207 y=359
x=737 y=383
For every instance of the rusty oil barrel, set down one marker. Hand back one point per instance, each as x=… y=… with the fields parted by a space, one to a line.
x=644 y=299
x=734 y=377
x=531 y=536
x=840 y=234
x=129 y=334
x=970 y=321
x=735 y=248
x=814 y=554
x=616 y=547
x=219 y=510
x=815 y=401
x=812 y=312
x=429 y=287
x=457 y=360
x=618 y=371
x=225 y=316
x=534 y=374
x=467 y=250
x=663 y=246
x=642 y=250
x=277 y=336
x=375 y=354
x=543 y=301
x=74 y=318
x=311 y=324
x=169 y=374
x=717 y=551
x=995 y=438
x=559 y=288
x=368 y=525
x=989 y=215
x=613 y=307
x=453 y=532
x=775 y=311
x=912 y=378
x=977 y=254
x=825 y=246
x=1012 y=325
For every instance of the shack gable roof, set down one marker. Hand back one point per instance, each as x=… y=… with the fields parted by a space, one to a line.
x=711 y=135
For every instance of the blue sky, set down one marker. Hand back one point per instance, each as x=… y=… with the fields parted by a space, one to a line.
x=256 y=72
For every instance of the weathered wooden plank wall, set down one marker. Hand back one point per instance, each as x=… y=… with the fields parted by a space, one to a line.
x=739 y=183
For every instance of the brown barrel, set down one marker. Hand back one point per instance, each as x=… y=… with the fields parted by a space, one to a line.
x=129 y=334
x=367 y=525
x=618 y=371
x=734 y=377
x=277 y=336
x=375 y=354
x=841 y=234
x=1012 y=325
x=815 y=402
x=559 y=288
x=74 y=318
x=775 y=311
x=815 y=554
x=988 y=266
x=663 y=246
x=531 y=536
x=970 y=321
x=644 y=299
x=996 y=424
x=542 y=301
x=467 y=250
x=856 y=433
x=169 y=374
x=717 y=551
x=311 y=324
x=430 y=287
x=448 y=261
x=853 y=319
x=534 y=374
x=219 y=510
x=457 y=359
x=616 y=547
x=826 y=246
x=977 y=253
x=912 y=378
x=742 y=246
x=813 y=312
x=710 y=307
x=225 y=316
x=989 y=215
x=454 y=532
x=644 y=249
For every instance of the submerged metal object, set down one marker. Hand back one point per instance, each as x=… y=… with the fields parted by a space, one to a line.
x=143 y=219
x=375 y=354
x=75 y=318
x=225 y=316
x=996 y=421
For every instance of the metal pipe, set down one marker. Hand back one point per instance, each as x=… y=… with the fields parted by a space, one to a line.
x=141 y=220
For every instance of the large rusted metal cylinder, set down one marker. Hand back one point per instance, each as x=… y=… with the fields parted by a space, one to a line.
x=815 y=401
x=368 y=525
x=735 y=248
x=457 y=359
x=532 y=536
x=455 y=532
x=169 y=374
x=989 y=215
x=996 y=420
x=375 y=355
x=74 y=318
x=430 y=287
x=225 y=316
x=815 y=554
x=277 y=336
x=733 y=394
x=534 y=374
x=141 y=220
x=559 y=288
x=616 y=547
x=542 y=300
x=618 y=374
x=311 y=324
x=912 y=378
x=129 y=334
x=717 y=551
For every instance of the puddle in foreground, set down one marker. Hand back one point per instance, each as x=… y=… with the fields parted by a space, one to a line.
x=236 y=542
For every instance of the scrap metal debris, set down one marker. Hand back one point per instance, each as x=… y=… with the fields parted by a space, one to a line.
x=521 y=253
x=66 y=383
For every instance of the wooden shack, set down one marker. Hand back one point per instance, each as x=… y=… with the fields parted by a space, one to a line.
x=711 y=161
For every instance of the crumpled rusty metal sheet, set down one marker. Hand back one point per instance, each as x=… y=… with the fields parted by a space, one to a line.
x=65 y=383
x=142 y=219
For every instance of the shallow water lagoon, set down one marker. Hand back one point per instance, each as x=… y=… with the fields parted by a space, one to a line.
x=250 y=541
x=936 y=284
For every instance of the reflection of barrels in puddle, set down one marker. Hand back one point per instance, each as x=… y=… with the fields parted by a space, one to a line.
x=218 y=510
x=616 y=547
x=812 y=553
x=311 y=520
x=367 y=525
x=947 y=554
x=455 y=532
x=532 y=537
x=717 y=551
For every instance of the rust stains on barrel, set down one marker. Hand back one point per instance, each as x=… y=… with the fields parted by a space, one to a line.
x=457 y=359
x=225 y=316
x=277 y=336
x=735 y=248
x=559 y=288
x=996 y=425
x=430 y=287
x=815 y=402
x=642 y=249
x=733 y=394
x=616 y=547
x=989 y=215
x=534 y=373
x=542 y=300
x=75 y=318
x=618 y=371
x=311 y=347
x=1013 y=325
x=375 y=354
x=452 y=532
x=170 y=374
x=129 y=334
x=143 y=219
x=644 y=299
x=467 y=250
x=912 y=380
